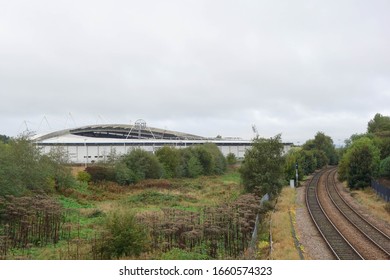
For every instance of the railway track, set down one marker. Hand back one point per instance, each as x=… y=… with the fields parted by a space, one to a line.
x=340 y=247
x=375 y=235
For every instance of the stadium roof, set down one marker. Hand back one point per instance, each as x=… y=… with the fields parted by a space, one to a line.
x=120 y=131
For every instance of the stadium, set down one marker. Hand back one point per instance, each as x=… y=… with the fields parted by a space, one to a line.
x=93 y=143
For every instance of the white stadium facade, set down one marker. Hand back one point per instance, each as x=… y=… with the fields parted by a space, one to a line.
x=94 y=143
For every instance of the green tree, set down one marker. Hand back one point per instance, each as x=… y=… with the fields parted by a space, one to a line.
x=307 y=161
x=324 y=149
x=190 y=165
x=325 y=143
x=124 y=175
x=205 y=159
x=143 y=164
x=262 y=168
x=219 y=163
x=23 y=169
x=360 y=163
x=4 y=138
x=379 y=125
x=170 y=160
x=384 y=168
x=292 y=158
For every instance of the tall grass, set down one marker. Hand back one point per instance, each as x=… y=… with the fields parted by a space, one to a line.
x=282 y=228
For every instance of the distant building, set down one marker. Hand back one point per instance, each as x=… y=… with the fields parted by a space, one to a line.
x=89 y=144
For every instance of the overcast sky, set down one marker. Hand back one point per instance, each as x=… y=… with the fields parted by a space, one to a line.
x=203 y=67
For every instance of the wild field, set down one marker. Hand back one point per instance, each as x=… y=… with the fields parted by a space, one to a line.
x=208 y=217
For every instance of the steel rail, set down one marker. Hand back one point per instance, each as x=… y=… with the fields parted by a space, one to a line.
x=337 y=243
x=375 y=235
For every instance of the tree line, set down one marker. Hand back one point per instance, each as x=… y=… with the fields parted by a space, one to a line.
x=364 y=157
x=167 y=162
x=266 y=169
x=367 y=156
x=24 y=170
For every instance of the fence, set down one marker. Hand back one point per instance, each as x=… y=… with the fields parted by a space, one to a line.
x=253 y=243
x=382 y=191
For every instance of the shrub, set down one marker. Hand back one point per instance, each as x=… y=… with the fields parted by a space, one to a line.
x=231 y=159
x=124 y=175
x=124 y=236
x=100 y=173
x=83 y=176
x=143 y=164
x=170 y=160
x=219 y=161
x=23 y=169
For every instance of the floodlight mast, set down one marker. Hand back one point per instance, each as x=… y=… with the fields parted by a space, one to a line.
x=254 y=129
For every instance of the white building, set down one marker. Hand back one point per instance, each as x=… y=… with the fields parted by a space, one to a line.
x=94 y=143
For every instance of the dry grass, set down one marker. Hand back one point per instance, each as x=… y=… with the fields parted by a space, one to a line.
x=281 y=227
x=75 y=169
x=374 y=204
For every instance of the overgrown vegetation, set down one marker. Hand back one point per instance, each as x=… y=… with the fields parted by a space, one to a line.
x=314 y=154
x=174 y=204
x=366 y=156
x=24 y=170
x=262 y=168
x=88 y=215
x=285 y=244
x=167 y=162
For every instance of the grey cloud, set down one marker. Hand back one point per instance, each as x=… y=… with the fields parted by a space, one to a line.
x=289 y=67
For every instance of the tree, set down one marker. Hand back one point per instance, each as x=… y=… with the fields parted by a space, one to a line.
x=4 y=138
x=190 y=165
x=205 y=159
x=262 y=168
x=384 y=168
x=360 y=163
x=170 y=160
x=325 y=143
x=23 y=169
x=324 y=149
x=379 y=125
x=219 y=163
x=143 y=164
x=307 y=161
x=291 y=160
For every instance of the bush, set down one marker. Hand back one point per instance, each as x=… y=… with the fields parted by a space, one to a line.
x=124 y=175
x=206 y=159
x=170 y=161
x=219 y=161
x=231 y=159
x=83 y=176
x=143 y=165
x=23 y=169
x=124 y=236
x=100 y=173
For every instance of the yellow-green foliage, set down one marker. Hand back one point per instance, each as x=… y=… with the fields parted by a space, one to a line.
x=281 y=227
